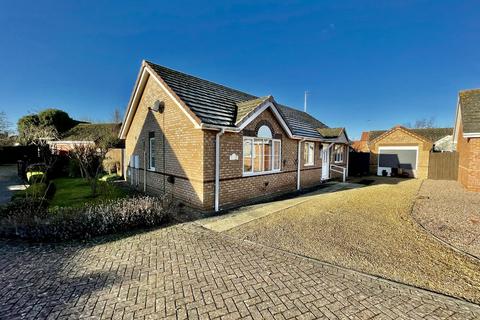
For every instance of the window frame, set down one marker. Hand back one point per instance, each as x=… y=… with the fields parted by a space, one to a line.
x=252 y=156
x=340 y=154
x=150 y=144
x=306 y=148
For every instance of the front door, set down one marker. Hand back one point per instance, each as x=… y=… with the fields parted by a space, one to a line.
x=325 y=162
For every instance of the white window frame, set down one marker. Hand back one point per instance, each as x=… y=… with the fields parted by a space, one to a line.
x=340 y=155
x=252 y=142
x=307 y=147
x=150 y=144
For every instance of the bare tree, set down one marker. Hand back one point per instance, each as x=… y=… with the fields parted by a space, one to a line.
x=90 y=157
x=117 y=116
x=421 y=123
x=5 y=127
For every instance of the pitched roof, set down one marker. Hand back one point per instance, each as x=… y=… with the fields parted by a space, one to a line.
x=431 y=134
x=90 y=131
x=216 y=104
x=470 y=107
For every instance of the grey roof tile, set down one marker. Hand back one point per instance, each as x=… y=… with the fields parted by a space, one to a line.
x=470 y=106
x=216 y=104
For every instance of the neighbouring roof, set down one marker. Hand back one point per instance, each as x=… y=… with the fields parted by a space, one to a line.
x=431 y=134
x=216 y=104
x=90 y=131
x=470 y=107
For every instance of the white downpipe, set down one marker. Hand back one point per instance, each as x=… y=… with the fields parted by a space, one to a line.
x=299 y=163
x=217 y=168
x=348 y=158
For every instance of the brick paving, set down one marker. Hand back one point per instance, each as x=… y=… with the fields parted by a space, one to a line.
x=186 y=271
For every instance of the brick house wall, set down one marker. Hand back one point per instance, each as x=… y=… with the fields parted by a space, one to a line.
x=179 y=148
x=399 y=137
x=235 y=188
x=188 y=155
x=469 y=162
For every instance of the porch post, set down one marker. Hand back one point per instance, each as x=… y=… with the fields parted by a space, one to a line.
x=348 y=158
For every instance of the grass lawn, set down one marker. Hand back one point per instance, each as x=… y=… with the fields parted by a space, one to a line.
x=77 y=191
x=371 y=230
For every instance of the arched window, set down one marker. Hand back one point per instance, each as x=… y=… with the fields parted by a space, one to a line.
x=261 y=154
x=264 y=132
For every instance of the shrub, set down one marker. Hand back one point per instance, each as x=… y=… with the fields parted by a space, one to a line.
x=36 y=190
x=107 y=217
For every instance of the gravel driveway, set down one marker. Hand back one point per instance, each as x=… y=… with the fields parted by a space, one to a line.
x=370 y=229
x=451 y=213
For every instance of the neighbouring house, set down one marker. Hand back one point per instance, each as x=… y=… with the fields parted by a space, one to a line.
x=405 y=151
x=362 y=144
x=467 y=138
x=214 y=147
x=88 y=133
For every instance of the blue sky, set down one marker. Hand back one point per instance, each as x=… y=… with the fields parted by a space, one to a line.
x=367 y=64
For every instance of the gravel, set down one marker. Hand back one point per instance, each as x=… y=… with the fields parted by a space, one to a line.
x=451 y=213
x=370 y=229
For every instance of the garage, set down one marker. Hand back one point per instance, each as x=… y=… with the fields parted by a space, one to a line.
x=397 y=159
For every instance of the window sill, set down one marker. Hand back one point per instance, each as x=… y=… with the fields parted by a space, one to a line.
x=309 y=164
x=151 y=169
x=265 y=173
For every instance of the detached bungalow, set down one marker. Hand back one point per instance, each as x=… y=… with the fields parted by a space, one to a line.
x=467 y=139
x=215 y=147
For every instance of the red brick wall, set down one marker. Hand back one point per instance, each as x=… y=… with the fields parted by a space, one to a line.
x=469 y=162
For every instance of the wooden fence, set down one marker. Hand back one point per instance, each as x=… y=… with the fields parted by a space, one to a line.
x=443 y=166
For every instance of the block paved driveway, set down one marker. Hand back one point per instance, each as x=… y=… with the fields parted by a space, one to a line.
x=185 y=271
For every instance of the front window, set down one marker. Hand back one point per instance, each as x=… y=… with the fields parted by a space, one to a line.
x=261 y=155
x=308 y=154
x=338 y=153
x=151 y=153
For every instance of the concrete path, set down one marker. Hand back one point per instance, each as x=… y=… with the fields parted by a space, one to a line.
x=188 y=272
x=246 y=214
x=9 y=182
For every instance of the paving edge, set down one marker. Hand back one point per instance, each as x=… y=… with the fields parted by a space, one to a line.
x=358 y=272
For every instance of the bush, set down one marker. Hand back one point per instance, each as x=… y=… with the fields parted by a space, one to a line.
x=36 y=190
x=107 y=217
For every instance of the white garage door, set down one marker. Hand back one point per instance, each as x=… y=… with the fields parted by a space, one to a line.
x=402 y=157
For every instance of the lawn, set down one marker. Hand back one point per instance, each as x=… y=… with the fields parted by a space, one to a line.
x=76 y=192
x=370 y=230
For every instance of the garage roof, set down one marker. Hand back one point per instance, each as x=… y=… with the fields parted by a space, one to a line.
x=431 y=134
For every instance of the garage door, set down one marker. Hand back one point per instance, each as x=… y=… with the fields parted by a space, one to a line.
x=397 y=157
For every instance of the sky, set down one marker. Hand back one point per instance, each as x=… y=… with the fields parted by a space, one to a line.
x=367 y=65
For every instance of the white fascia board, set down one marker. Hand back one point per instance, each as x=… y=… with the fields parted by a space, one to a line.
x=70 y=142
x=257 y=112
x=133 y=102
x=472 y=135
x=398 y=148
x=458 y=117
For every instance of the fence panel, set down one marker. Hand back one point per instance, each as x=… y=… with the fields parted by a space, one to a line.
x=443 y=166
x=358 y=163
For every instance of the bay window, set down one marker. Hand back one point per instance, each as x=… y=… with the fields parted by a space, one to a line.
x=261 y=154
